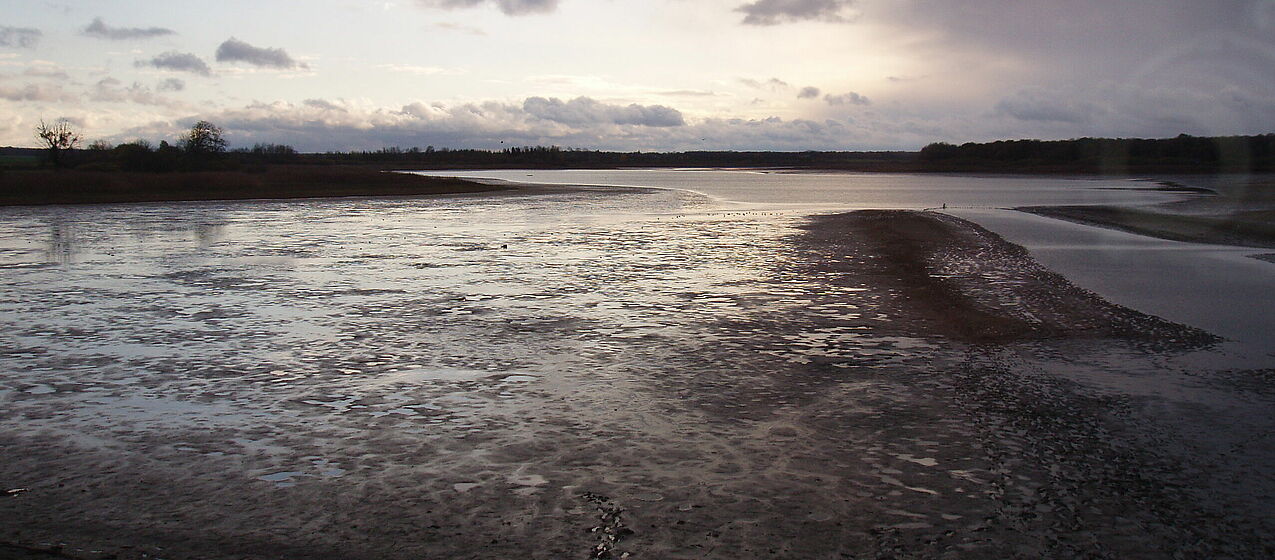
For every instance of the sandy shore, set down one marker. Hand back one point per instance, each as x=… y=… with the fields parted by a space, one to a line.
x=970 y=404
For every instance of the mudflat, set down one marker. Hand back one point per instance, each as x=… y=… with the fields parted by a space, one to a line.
x=933 y=392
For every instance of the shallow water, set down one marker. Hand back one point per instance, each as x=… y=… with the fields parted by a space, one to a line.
x=847 y=190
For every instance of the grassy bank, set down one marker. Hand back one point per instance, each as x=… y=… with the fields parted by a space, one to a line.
x=32 y=187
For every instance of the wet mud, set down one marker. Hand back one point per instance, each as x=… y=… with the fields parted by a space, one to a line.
x=863 y=385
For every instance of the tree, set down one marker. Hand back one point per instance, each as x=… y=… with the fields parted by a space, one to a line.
x=205 y=138
x=58 y=137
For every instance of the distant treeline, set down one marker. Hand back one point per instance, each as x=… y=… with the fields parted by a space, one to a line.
x=1108 y=155
x=1183 y=154
x=556 y=157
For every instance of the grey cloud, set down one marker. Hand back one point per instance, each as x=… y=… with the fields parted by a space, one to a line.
x=100 y=30
x=583 y=111
x=177 y=61
x=774 y=12
x=808 y=92
x=234 y=50
x=36 y=92
x=171 y=84
x=509 y=7
x=851 y=98
x=21 y=37
x=111 y=90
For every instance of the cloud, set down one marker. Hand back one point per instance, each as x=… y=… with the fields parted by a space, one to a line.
x=850 y=98
x=111 y=90
x=808 y=92
x=583 y=111
x=324 y=105
x=234 y=50
x=771 y=84
x=100 y=30
x=318 y=125
x=21 y=37
x=46 y=70
x=179 y=62
x=171 y=84
x=775 y=12
x=509 y=7
x=37 y=92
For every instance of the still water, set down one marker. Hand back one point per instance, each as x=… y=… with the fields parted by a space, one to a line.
x=848 y=190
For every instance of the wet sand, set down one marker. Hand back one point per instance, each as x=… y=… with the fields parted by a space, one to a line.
x=932 y=392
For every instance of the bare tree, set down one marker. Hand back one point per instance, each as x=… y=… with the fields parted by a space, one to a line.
x=58 y=137
x=205 y=138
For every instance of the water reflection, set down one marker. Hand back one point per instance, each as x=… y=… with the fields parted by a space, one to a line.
x=61 y=247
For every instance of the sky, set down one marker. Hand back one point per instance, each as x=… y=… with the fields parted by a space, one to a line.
x=650 y=75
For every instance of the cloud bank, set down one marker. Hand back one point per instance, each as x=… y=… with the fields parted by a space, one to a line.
x=100 y=30
x=583 y=111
